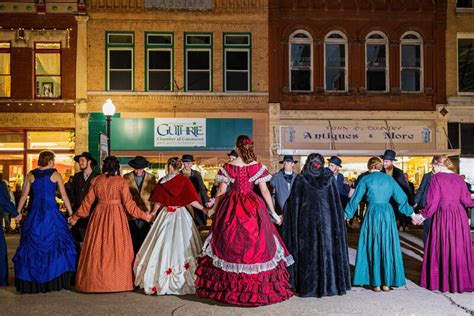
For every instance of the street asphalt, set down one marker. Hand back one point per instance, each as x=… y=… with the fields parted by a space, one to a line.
x=409 y=300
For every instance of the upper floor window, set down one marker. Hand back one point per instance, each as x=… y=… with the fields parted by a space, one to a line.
x=411 y=48
x=301 y=62
x=335 y=62
x=159 y=61
x=465 y=4
x=120 y=61
x=237 y=54
x=5 y=71
x=466 y=65
x=376 y=61
x=198 y=62
x=48 y=70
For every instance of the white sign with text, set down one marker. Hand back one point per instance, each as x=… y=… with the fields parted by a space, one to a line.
x=180 y=132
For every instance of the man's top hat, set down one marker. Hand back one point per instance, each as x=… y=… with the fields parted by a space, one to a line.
x=86 y=155
x=233 y=153
x=139 y=162
x=288 y=158
x=335 y=160
x=187 y=158
x=389 y=155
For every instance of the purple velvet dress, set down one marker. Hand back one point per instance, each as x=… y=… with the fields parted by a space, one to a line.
x=448 y=263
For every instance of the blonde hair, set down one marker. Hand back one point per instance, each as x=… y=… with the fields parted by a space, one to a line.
x=176 y=163
x=375 y=163
x=444 y=161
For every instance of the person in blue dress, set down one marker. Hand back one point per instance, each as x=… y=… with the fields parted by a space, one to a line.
x=379 y=261
x=6 y=206
x=46 y=257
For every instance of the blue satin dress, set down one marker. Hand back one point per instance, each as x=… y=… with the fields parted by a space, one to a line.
x=5 y=206
x=46 y=257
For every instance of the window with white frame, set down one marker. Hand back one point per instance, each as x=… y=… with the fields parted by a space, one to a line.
x=237 y=52
x=376 y=62
x=335 y=62
x=198 y=62
x=411 y=48
x=466 y=65
x=301 y=62
x=159 y=59
x=120 y=61
x=5 y=70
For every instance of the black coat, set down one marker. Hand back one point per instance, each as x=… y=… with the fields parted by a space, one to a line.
x=422 y=193
x=399 y=177
x=315 y=234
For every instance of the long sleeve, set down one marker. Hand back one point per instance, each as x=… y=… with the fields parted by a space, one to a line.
x=400 y=179
x=402 y=199
x=6 y=204
x=130 y=204
x=466 y=196
x=201 y=188
x=85 y=208
x=422 y=191
x=432 y=199
x=359 y=193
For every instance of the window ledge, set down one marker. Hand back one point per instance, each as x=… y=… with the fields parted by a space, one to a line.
x=461 y=100
x=180 y=93
x=464 y=10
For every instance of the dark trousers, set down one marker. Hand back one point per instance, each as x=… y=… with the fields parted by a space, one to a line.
x=200 y=219
x=138 y=230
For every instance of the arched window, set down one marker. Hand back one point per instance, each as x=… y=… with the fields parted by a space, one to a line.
x=301 y=62
x=376 y=62
x=411 y=56
x=335 y=62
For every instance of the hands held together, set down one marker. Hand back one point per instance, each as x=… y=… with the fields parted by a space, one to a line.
x=417 y=219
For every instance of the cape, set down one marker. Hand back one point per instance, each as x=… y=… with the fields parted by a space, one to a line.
x=314 y=232
x=175 y=191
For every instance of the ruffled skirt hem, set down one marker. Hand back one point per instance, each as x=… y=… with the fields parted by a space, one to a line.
x=61 y=282
x=264 y=288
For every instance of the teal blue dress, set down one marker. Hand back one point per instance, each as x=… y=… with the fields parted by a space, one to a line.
x=379 y=258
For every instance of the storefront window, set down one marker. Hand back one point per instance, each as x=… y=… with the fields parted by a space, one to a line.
x=11 y=168
x=64 y=164
x=48 y=70
x=301 y=62
x=51 y=140
x=11 y=141
x=5 y=72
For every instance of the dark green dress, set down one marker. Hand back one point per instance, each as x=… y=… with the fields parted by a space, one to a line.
x=379 y=257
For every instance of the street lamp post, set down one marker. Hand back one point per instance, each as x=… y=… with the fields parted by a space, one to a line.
x=109 y=110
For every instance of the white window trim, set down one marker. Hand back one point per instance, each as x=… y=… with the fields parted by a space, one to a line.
x=170 y=50
x=209 y=50
x=387 y=60
x=247 y=50
x=301 y=41
x=110 y=69
x=458 y=37
x=419 y=42
x=344 y=41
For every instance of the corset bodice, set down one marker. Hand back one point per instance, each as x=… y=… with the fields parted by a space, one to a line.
x=243 y=178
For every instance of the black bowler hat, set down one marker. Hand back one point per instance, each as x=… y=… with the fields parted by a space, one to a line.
x=288 y=158
x=86 y=155
x=389 y=155
x=139 y=162
x=335 y=160
x=187 y=158
x=233 y=153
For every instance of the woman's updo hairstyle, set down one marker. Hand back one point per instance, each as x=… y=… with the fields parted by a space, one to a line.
x=444 y=161
x=375 y=163
x=111 y=166
x=176 y=163
x=245 y=145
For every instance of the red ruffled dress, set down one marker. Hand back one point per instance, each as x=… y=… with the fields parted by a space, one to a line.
x=244 y=259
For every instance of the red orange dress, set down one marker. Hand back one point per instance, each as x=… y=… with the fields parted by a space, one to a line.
x=106 y=260
x=244 y=259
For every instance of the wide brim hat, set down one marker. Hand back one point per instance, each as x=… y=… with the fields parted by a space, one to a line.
x=233 y=153
x=288 y=158
x=389 y=155
x=187 y=158
x=139 y=162
x=86 y=155
x=335 y=160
